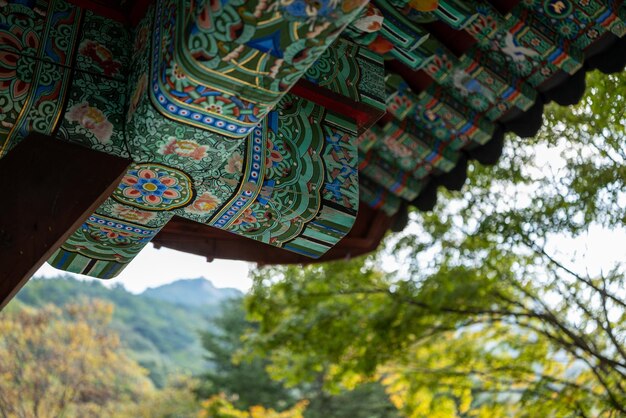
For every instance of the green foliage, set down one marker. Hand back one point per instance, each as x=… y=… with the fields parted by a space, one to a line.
x=219 y=406
x=65 y=362
x=163 y=337
x=68 y=361
x=175 y=400
x=484 y=316
x=368 y=400
x=245 y=383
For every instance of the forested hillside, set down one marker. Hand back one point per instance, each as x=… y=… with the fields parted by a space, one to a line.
x=159 y=327
x=192 y=292
x=171 y=331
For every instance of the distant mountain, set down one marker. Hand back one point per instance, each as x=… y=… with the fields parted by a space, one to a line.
x=160 y=327
x=192 y=292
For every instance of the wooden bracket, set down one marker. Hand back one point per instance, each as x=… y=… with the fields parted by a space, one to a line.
x=49 y=188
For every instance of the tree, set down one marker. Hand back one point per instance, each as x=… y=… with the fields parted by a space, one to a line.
x=161 y=337
x=246 y=384
x=56 y=362
x=176 y=400
x=218 y=406
x=484 y=316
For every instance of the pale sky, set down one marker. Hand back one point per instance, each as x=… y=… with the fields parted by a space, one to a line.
x=595 y=251
x=154 y=267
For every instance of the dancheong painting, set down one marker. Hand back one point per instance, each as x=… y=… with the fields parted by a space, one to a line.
x=276 y=119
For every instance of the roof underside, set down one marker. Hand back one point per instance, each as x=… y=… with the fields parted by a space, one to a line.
x=607 y=54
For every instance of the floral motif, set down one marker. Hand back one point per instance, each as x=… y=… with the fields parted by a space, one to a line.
x=27 y=45
x=273 y=156
x=101 y=55
x=151 y=189
x=177 y=77
x=397 y=148
x=206 y=202
x=132 y=214
x=106 y=239
x=104 y=234
x=399 y=103
x=9 y=80
x=215 y=108
x=235 y=164
x=370 y=20
x=247 y=216
x=482 y=26
x=568 y=29
x=593 y=33
x=154 y=187
x=366 y=140
x=91 y=119
x=439 y=65
x=184 y=148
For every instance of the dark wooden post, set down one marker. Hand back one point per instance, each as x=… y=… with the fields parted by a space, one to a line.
x=49 y=188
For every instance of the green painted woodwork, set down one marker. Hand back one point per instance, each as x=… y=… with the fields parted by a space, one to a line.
x=197 y=94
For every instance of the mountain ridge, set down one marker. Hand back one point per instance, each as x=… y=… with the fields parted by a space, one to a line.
x=191 y=292
x=163 y=336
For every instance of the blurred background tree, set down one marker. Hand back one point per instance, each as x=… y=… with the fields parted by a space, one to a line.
x=176 y=400
x=245 y=382
x=485 y=314
x=489 y=306
x=219 y=406
x=64 y=362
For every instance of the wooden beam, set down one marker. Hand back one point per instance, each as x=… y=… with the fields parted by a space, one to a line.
x=49 y=188
x=195 y=238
